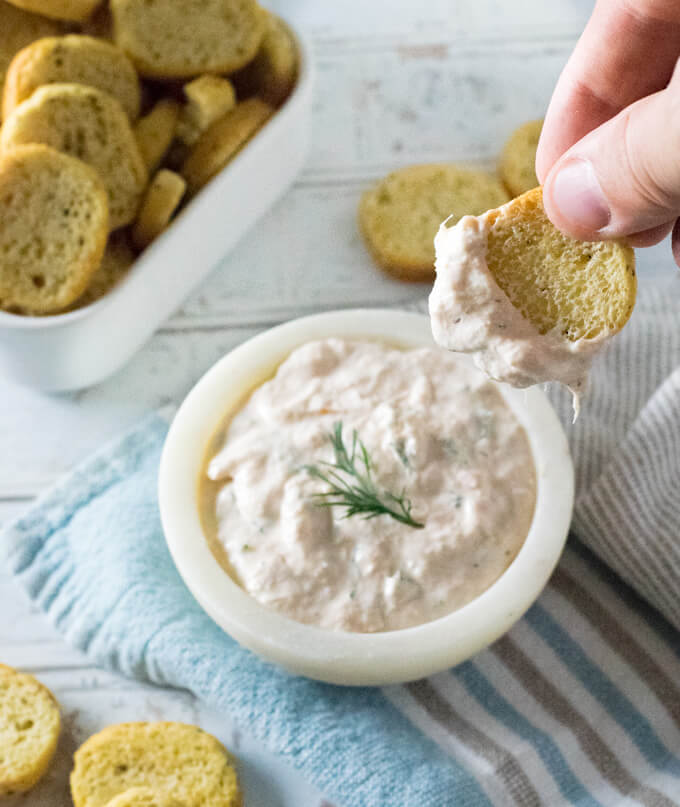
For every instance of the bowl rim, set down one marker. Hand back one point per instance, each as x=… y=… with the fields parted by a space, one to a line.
x=343 y=657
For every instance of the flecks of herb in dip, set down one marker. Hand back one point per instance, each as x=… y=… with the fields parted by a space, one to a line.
x=438 y=444
x=470 y=313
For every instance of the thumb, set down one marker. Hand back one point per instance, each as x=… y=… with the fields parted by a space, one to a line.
x=623 y=177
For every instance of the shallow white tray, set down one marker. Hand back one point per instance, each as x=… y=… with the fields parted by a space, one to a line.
x=82 y=347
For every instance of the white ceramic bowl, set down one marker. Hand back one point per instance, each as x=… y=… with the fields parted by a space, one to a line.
x=80 y=348
x=337 y=657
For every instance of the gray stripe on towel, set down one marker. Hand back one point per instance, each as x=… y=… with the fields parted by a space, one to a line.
x=505 y=765
x=556 y=704
x=621 y=640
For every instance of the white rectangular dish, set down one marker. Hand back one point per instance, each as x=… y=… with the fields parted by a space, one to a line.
x=77 y=349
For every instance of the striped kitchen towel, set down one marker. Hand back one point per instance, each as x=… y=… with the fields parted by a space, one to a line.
x=626 y=449
x=579 y=704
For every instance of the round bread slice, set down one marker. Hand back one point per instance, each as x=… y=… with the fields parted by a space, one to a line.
x=19 y=28
x=117 y=260
x=272 y=73
x=91 y=125
x=169 y=39
x=73 y=10
x=517 y=165
x=173 y=757
x=145 y=797
x=73 y=59
x=29 y=730
x=400 y=216
x=53 y=228
x=222 y=141
x=582 y=288
x=162 y=199
x=156 y=131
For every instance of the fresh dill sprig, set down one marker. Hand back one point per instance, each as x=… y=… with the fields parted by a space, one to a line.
x=358 y=494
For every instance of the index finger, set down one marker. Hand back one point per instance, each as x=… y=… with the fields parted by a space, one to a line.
x=627 y=51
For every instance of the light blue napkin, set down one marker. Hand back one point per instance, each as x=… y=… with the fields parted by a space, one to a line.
x=92 y=555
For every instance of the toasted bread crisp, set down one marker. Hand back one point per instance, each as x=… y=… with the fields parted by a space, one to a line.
x=400 y=216
x=19 y=28
x=91 y=125
x=72 y=10
x=53 y=228
x=145 y=797
x=156 y=131
x=118 y=258
x=209 y=98
x=582 y=288
x=222 y=141
x=527 y=303
x=164 y=757
x=162 y=199
x=29 y=730
x=272 y=73
x=169 y=39
x=73 y=59
x=517 y=165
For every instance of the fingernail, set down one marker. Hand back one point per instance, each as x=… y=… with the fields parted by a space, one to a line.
x=578 y=196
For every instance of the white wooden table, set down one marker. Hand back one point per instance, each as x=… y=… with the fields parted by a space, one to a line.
x=398 y=81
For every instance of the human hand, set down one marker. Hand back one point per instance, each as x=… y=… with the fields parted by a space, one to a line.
x=609 y=154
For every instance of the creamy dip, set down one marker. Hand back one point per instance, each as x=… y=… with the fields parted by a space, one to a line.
x=438 y=437
x=470 y=313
